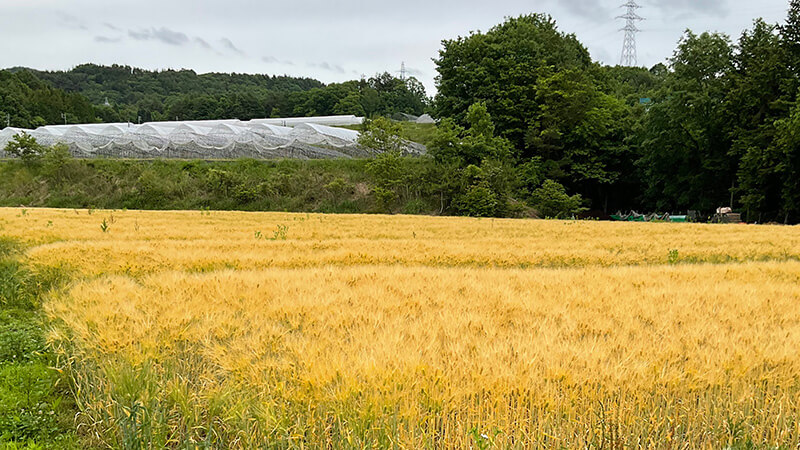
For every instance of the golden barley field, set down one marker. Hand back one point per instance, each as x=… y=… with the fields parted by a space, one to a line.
x=241 y=330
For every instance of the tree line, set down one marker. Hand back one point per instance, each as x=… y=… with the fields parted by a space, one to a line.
x=92 y=93
x=28 y=102
x=718 y=125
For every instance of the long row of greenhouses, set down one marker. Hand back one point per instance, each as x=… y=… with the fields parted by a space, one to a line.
x=302 y=138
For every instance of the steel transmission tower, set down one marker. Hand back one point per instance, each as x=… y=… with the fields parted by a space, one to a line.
x=629 y=57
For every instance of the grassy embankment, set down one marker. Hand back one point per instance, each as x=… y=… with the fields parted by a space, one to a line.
x=329 y=186
x=421 y=133
x=325 y=186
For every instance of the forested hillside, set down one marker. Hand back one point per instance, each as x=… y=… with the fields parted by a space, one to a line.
x=91 y=93
x=28 y=102
x=134 y=93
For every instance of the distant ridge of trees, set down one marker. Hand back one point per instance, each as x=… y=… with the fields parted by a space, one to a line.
x=28 y=102
x=93 y=93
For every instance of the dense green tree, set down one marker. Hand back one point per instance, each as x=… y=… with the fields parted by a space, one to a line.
x=790 y=33
x=27 y=102
x=788 y=129
x=631 y=85
x=552 y=200
x=788 y=143
x=164 y=95
x=553 y=104
x=580 y=132
x=685 y=151
x=351 y=104
x=502 y=68
x=473 y=145
x=25 y=147
x=475 y=165
x=755 y=102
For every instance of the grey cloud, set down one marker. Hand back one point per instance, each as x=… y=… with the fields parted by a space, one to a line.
x=163 y=35
x=140 y=35
x=71 y=21
x=274 y=60
x=170 y=37
x=328 y=66
x=111 y=27
x=228 y=44
x=203 y=43
x=688 y=8
x=107 y=40
x=588 y=9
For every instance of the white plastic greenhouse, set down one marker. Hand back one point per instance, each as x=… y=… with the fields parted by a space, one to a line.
x=304 y=138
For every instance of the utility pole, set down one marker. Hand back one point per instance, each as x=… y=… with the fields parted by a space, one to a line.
x=629 y=56
x=8 y=120
x=403 y=71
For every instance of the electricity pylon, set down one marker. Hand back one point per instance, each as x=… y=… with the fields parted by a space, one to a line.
x=629 y=57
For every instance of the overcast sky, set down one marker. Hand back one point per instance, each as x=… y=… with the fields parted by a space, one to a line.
x=326 y=39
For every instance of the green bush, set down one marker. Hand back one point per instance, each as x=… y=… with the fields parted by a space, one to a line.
x=478 y=201
x=388 y=183
x=551 y=200
x=55 y=160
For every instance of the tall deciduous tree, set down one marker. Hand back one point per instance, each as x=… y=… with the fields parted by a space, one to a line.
x=501 y=68
x=755 y=101
x=580 y=132
x=685 y=158
x=546 y=97
x=788 y=143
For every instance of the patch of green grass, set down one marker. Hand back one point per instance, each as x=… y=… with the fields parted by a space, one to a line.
x=36 y=407
x=421 y=133
x=21 y=339
x=330 y=186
